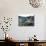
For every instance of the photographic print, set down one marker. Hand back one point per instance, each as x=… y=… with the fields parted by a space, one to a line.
x=26 y=20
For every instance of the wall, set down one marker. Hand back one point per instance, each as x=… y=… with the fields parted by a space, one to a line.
x=45 y=28
x=13 y=8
